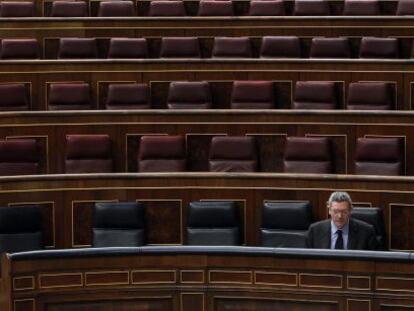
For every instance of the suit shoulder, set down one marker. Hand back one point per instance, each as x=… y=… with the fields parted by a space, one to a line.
x=363 y=225
x=319 y=224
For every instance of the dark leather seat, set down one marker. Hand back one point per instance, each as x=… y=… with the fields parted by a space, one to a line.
x=77 y=48
x=315 y=95
x=21 y=229
x=322 y=47
x=213 y=223
x=122 y=8
x=253 y=95
x=233 y=154
x=69 y=96
x=19 y=157
x=69 y=9
x=362 y=7
x=215 y=8
x=267 y=8
x=308 y=155
x=311 y=8
x=371 y=96
x=189 y=95
x=405 y=7
x=128 y=96
x=117 y=224
x=17 y=9
x=379 y=156
x=232 y=47
x=20 y=49
x=182 y=47
x=162 y=154
x=285 y=224
x=167 y=8
x=14 y=96
x=374 y=217
x=128 y=48
x=280 y=47
x=373 y=47
x=88 y=154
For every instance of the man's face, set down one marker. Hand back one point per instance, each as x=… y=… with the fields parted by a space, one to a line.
x=340 y=212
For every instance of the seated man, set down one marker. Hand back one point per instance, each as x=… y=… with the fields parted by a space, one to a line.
x=341 y=231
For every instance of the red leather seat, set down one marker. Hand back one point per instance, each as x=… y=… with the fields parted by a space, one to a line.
x=128 y=96
x=253 y=95
x=19 y=157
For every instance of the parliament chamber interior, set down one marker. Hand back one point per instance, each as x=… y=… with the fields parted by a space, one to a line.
x=172 y=154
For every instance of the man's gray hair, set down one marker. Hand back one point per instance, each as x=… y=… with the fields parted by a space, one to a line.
x=340 y=196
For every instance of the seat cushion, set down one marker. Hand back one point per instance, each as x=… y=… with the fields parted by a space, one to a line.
x=186 y=47
x=77 y=48
x=19 y=49
x=128 y=96
x=281 y=47
x=122 y=8
x=167 y=8
x=232 y=47
x=17 y=9
x=361 y=7
x=69 y=9
x=67 y=96
x=215 y=8
x=311 y=7
x=14 y=96
x=315 y=95
x=372 y=47
x=330 y=48
x=253 y=95
x=370 y=96
x=189 y=95
x=267 y=8
x=128 y=48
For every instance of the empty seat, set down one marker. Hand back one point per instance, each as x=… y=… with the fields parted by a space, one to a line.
x=69 y=9
x=19 y=49
x=128 y=96
x=14 y=96
x=232 y=47
x=371 y=96
x=315 y=95
x=213 y=223
x=405 y=7
x=21 y=229
x=374 y=217
x=128 y=48
x=19 y=157
x=166 y=8
x=69 y=96
x=330 y=48
x=267 y=8
x=17 y=9
x=274 y=46
x=308 y=155
x=118 y=224
x=372 y=47
x=185 y=47
x=88 y=154
x=253 y=95
x=116 y=8
x=233 y=154
x=361 y=7
x=77 y=48
x=162 y=154
x=215 y=8
x=379 y=156
x=311 y=7
x=189 y=95
x=285 y=224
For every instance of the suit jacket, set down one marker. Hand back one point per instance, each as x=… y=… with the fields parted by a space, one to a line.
x=361 y=235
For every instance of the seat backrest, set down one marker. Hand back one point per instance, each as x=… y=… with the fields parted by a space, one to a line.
x=19 y=157
x=315 y=95
x=362 y=7
x=280 y=47
x=77 y=48
x=185 y=47
x=233 y=154
x=88 y=154
x=373 y=47
x=20 y=49
x=405 y=7
x=267 y=8
x=311 y=8
x=162 y=154
x=215 y=8
x=128 y=96
x=118 y=224
x=308 y=155
x=379 y=156
x=285 y=224
x=213 y=223
x=322 y=47
x=374 y=217
x=167 y=8
x=21 y=229
x=17 y=9
x=253 y=95
x=69 y=9
x=69 y=96
x=232 y=46
x=371 y=96
x=122 y=8
x=128 y=48
x=14 y=96
x=189 y=95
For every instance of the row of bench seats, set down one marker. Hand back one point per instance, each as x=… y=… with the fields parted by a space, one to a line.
x=94 y=154
x=126 y=8
x=223 y=47
x=199 y=95
x=284 y=224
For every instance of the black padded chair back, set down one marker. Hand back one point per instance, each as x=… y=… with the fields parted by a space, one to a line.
x=285 y=224
x=20 y=229
x=213 y=223
x=374 y=217
x=117 y=224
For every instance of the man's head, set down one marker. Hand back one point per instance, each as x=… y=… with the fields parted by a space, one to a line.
x=340 y=207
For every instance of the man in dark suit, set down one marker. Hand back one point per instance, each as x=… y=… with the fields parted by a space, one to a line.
x=341 y=231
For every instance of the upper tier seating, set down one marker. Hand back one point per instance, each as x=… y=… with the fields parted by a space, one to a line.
x=372 y=47
x=19 y=49
x=277 y=46
x=167 y=8
x=361 y=7
x=232 y=46
x=128 y=96
x=185 y=47
x=122 y=8
x=69 y=96
x=330 y=48
x=77 y=48
x=371 y=96
x=17 y=9
x=19 y=157
x=69 y=9
x=267 y=8
x=374 y=217
x=315 y=95
x=14 y=96
x=189 y=95
x=311 y=7
x=215 y=8
x=128 y=48
x=253 y=95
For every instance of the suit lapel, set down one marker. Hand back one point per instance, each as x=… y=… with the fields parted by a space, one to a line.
x=327 y=234
x=353 y=235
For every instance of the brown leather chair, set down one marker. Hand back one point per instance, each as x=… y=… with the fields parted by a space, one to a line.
x=322 y=47
x=128 y=96
x=373 y=47
x=124 y=8
x=19 y=157
x=17 y=9
x=167 y=8
x=315 y=95
x=405 y=7
x=69 y=9
x=180 y=47
x=311 y=8
x=77 y=48
x=189 y=95
x=371 y=96
x=14 y=96
x=253 y=95
x=215 y=8
x=128 y=48
x=267 y=8
x=69 y=96
x=20 y=49
x=232 y=47
x=362 y=7
x=280 y=47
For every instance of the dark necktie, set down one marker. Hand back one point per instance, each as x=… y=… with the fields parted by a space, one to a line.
x=339 y=244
